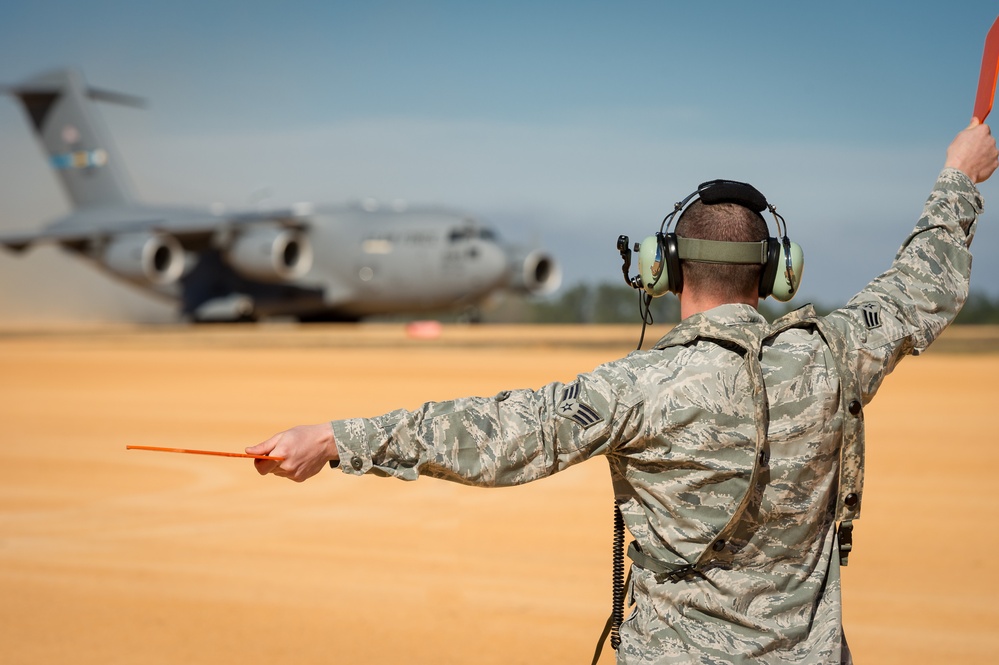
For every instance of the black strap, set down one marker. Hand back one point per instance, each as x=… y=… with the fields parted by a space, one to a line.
x=603 y=638
x=610 y=629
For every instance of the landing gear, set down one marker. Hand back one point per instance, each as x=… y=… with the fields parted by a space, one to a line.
x=470 y=314
x=326 y=317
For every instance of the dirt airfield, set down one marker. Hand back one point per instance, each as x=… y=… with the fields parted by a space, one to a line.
x=114 y=556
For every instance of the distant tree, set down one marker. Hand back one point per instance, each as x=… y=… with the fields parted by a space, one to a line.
x=979 y=309
x=620 y=304
x=571 y=307
x=601 y=303
x=616 y=303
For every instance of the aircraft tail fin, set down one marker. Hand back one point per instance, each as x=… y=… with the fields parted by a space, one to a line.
x=69 y=127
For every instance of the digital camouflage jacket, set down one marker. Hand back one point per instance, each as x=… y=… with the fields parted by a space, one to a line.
x=735 y=447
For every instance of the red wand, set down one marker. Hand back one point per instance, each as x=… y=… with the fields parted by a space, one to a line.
x=202 y=452
x=987 y=79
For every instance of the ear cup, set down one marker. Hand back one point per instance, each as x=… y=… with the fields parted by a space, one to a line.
x=671 y=250
x=784 y=286
x=770 y=268
x=652 y=266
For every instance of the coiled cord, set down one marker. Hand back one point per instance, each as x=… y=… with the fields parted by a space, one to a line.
x=617 y=579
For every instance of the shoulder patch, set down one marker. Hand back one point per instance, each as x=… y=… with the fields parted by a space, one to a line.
x=872 y=314
x=570 y=407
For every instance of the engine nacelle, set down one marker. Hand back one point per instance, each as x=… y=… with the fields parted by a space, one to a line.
x=534 y=272
x=144 y=257
x=270 y=254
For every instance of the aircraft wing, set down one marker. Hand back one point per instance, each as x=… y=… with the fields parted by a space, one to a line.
x=149 y=245
x=18 y=242
x=192 y=229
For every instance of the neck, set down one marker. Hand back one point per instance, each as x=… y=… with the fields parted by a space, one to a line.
x=692 y=302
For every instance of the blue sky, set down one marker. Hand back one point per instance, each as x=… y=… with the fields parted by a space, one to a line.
x=562 y=123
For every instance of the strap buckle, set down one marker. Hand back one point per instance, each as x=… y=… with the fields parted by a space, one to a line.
x=845 y=537
x=675 y=575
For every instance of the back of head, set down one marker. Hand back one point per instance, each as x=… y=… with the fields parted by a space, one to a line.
x=728 y=222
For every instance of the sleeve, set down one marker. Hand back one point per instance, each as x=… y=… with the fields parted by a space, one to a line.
x=904 y=309
x=512 y=438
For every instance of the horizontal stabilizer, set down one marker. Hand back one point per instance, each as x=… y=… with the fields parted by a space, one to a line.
x=116 y=98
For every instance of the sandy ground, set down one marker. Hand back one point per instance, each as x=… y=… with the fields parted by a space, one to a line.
x=114 y=556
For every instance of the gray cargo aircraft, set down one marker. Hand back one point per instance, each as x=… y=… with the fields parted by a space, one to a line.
x=323 y=264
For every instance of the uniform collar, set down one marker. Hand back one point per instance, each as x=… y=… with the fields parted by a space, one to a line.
x=714 y=323
x=732 y=314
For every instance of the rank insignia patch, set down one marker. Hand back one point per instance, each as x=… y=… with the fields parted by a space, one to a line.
x=570 y=407
x=872 y=314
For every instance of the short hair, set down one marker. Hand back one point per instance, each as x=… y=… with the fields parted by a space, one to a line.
x=728 y=222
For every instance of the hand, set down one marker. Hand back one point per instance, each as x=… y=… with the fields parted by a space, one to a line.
x=306 y=450
x=974 y=152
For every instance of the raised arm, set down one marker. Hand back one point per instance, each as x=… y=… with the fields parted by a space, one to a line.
x=905 y=308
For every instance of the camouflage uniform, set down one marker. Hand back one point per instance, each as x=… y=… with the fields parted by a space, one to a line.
x=726 y=444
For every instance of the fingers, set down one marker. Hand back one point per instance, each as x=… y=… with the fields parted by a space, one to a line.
x=265 y=466
x=306 y=450
x=263 y=448
x=990 y=159
x=973 y=151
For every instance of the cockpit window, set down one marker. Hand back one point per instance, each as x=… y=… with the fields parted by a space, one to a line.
x=470 y=233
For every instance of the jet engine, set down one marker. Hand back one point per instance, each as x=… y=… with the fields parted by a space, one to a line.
x=534 y=272
x=144 y=257
x=270 y=254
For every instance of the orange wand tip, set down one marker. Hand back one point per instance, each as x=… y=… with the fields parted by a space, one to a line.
x=218 y=453
x=988 y=75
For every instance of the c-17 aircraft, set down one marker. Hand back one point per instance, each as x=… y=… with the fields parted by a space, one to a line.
x=314 y=264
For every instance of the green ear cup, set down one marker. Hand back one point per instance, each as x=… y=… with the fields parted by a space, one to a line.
x=652 y=267
x=786 y=285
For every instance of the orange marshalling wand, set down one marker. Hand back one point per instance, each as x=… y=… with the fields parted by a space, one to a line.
x=987 y=78
x=202 y=452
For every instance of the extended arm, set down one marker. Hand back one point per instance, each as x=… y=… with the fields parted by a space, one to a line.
x=512 y=438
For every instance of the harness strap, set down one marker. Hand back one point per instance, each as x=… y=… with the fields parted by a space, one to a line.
x=747 y=342
x=851 y=450
x=664 y=571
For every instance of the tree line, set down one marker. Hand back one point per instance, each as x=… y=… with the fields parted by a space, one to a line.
x=611 y=303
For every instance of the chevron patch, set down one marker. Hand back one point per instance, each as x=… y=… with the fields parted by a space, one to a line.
x=570 y=407
x=872 y=315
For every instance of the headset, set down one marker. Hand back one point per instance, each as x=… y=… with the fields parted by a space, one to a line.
x=659 y=256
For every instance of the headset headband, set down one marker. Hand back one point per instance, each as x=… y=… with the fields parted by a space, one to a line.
x=731 y=191
x=713 y=192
